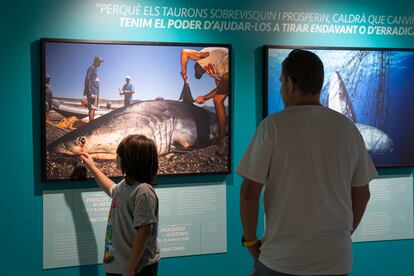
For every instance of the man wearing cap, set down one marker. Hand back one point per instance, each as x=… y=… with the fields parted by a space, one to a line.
x=48 y=97
x=215 y=62
x=91 y=87
x=127 y=91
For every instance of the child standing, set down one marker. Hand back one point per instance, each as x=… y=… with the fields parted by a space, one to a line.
x=131 y=236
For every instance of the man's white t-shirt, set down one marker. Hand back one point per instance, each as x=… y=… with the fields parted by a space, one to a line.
x=217 y=62
x=308 y=158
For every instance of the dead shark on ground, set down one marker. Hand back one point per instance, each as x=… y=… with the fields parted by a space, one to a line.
x=171 y=124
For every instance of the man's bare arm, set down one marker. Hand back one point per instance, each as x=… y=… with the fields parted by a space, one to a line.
x=190 y=54
x=249 y=211
x=360 y=198
x=87 y=84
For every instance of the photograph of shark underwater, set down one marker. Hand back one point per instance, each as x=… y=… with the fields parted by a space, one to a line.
x=374 y=88
x=162 y=107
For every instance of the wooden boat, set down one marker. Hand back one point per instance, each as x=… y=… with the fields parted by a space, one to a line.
x=78 y=111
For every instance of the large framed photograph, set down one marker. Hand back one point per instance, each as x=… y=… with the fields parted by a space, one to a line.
x=372 y=87
x=95 y=93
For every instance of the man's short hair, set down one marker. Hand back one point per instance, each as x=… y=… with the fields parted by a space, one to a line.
x=139 y=158
x=305 y=69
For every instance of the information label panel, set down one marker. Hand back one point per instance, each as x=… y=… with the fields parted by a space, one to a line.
x=389 y=214
x=192 y=222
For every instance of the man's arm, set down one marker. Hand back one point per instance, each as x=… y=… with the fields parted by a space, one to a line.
x=360 y=198
x=105 y=182
x=87 y=82
x=190 y=54
x=128 y=90
x=249 y=208
x=212 y=92
x=138 y=246
x=208 y=96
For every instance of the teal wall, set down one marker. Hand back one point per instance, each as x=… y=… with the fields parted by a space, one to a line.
x=22 y=23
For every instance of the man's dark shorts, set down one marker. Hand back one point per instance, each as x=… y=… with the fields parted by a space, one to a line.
x=262 y=270
x=223 y=88
x=150 y=270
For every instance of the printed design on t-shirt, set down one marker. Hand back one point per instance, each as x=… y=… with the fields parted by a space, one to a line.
x=109 y=249
x=209 y=68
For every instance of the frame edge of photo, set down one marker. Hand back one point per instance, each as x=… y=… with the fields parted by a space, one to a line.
x=268 y=47
x=44 y=40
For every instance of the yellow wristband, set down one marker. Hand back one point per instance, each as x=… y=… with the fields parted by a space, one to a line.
x=250 y=243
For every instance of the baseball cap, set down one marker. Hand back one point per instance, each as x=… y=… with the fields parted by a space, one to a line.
x=98 y=59
x=128 y=77
x=198 y=71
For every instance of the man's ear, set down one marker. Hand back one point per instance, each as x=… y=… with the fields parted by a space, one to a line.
x=290 y=84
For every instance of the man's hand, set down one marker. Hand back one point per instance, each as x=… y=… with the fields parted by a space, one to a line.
x=200 y=100
x=87 y=159
x=255 y=250
x=184 y=76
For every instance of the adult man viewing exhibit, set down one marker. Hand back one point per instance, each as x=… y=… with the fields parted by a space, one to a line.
x=91 y=87
x=214 y=62
x=314 y=168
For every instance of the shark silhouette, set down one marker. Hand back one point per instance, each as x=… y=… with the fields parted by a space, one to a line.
x=376 y=140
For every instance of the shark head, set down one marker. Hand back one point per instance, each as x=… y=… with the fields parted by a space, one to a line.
x=65 y=146
x=99 y=142
x=166 y=122
x=339 y=99
x=376 y=141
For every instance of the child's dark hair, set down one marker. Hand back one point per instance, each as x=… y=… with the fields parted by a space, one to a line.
x=139 y=158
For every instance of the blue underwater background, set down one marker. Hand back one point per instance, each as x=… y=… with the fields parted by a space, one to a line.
x=380 y=84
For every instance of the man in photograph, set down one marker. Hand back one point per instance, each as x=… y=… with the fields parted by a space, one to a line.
x=48 y=97
x=214 y=62
x=91 y=87
x=313 y=166
x=127 y=91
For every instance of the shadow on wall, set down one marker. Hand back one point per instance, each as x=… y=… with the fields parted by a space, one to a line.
x=36 y=114
x=259 y=63
x=85 y=237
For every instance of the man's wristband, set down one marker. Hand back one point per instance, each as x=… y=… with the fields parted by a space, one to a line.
x=249 y=243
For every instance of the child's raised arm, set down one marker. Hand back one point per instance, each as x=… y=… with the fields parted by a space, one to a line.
x=105 y=182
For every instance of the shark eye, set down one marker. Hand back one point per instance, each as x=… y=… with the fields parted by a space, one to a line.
x=81 y=141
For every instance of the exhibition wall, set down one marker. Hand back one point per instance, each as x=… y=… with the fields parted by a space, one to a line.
x=23 y=23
